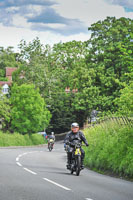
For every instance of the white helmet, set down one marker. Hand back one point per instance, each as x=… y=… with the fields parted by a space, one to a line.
x=52 y=133
x=75 y=124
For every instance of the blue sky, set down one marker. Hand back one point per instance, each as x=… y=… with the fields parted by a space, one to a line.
x=55 y=21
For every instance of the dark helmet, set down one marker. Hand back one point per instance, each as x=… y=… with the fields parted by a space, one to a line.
x=75 y=124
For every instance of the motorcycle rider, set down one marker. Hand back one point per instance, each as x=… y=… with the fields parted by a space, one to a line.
x=72 y=135
x=52 y=136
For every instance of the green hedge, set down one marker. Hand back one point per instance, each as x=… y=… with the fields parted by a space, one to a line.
x=110 y=149
x=16 y=139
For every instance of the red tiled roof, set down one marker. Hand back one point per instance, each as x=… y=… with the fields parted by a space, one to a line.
x=5 y=82
x=67 y=90
x=10 y=70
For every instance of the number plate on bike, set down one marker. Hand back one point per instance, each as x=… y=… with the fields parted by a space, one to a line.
x=77 y=152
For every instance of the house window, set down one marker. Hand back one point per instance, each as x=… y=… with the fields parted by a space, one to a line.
x=5 y=89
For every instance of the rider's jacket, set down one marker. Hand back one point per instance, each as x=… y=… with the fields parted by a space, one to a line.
x=51 y=137
x=74 y=136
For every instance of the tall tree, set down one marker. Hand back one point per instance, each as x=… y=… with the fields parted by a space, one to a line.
x=4 y=110
x=110 y=55
x=29 y=113
x=125 y=101
x=7 y=59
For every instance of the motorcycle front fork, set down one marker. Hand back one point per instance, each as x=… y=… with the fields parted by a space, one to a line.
x=49 y=144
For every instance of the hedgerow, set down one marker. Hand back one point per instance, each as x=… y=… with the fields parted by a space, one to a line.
x=110 y=149
x=16 y=139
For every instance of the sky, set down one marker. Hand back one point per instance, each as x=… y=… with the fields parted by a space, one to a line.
x=54 y=21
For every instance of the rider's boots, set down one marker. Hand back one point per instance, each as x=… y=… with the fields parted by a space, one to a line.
x=68 y=162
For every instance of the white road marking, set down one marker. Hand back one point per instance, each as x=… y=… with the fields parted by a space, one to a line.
x=30 y=171
x=19 y=164
x=25 y=153
x=17 y=159
x=88 y=199
x=65 y=188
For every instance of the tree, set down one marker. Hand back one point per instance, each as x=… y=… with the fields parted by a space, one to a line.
x=29 y=113
x=4 y=110
x=7 y=59
x=97 y=69
x=110 y=56
x=62 y=112
x=35 y=68
x=51 y=70
x=125 y=101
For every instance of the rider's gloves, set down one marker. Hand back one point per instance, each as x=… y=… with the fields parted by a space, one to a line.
x=68 y=143
x=71 y=144
x=87 y=145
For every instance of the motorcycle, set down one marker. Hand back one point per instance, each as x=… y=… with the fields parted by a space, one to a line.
x=75 y=165
x=50 y=144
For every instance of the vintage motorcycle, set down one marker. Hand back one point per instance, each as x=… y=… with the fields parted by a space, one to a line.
x=76 y=157
x=50 y=144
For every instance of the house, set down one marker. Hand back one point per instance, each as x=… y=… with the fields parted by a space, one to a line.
x=9 y=71
x=5 y=84
x=67 y=90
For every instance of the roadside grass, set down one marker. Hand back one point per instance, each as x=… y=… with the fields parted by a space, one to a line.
x=110 y=150
x=16 y=139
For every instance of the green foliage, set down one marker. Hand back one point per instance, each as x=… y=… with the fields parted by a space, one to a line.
x=50 y=71
x=29 y=113
x=4 y=110
x=110 y=57
x=7 y=59
x=3 y=79
x=125 y=101
x=60 y=104
x=16 y=139
x=110 y=149
x=97 y=69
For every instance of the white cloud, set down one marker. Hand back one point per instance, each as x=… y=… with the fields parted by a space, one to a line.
x=86 y=11
x=89 y=11
x=12 y=36
x=35 y=9
x=20 y=21
x=12 y=9
x=52 y=25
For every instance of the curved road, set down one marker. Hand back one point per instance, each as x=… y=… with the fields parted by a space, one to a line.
x=34 y=173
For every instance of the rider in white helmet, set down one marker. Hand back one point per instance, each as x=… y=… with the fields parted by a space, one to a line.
x=52 y=136
x=75 y=133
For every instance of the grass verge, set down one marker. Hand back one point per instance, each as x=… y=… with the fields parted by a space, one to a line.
x=110 y=149
x=16 y=139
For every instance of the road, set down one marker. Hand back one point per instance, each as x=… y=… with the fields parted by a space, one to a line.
x=34 y=173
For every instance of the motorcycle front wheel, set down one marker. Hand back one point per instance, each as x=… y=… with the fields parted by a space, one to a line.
x=78 y=165
x=50 y=147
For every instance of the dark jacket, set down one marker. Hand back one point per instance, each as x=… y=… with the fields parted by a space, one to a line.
x=74 y=136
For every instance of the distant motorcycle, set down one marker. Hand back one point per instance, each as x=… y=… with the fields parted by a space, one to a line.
x=76 y=158
x=50 y=144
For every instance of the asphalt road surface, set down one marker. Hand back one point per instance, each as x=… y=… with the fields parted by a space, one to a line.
x=34 y=173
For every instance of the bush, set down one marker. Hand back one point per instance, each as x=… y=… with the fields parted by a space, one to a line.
x=110 y=149
x=16 y=139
